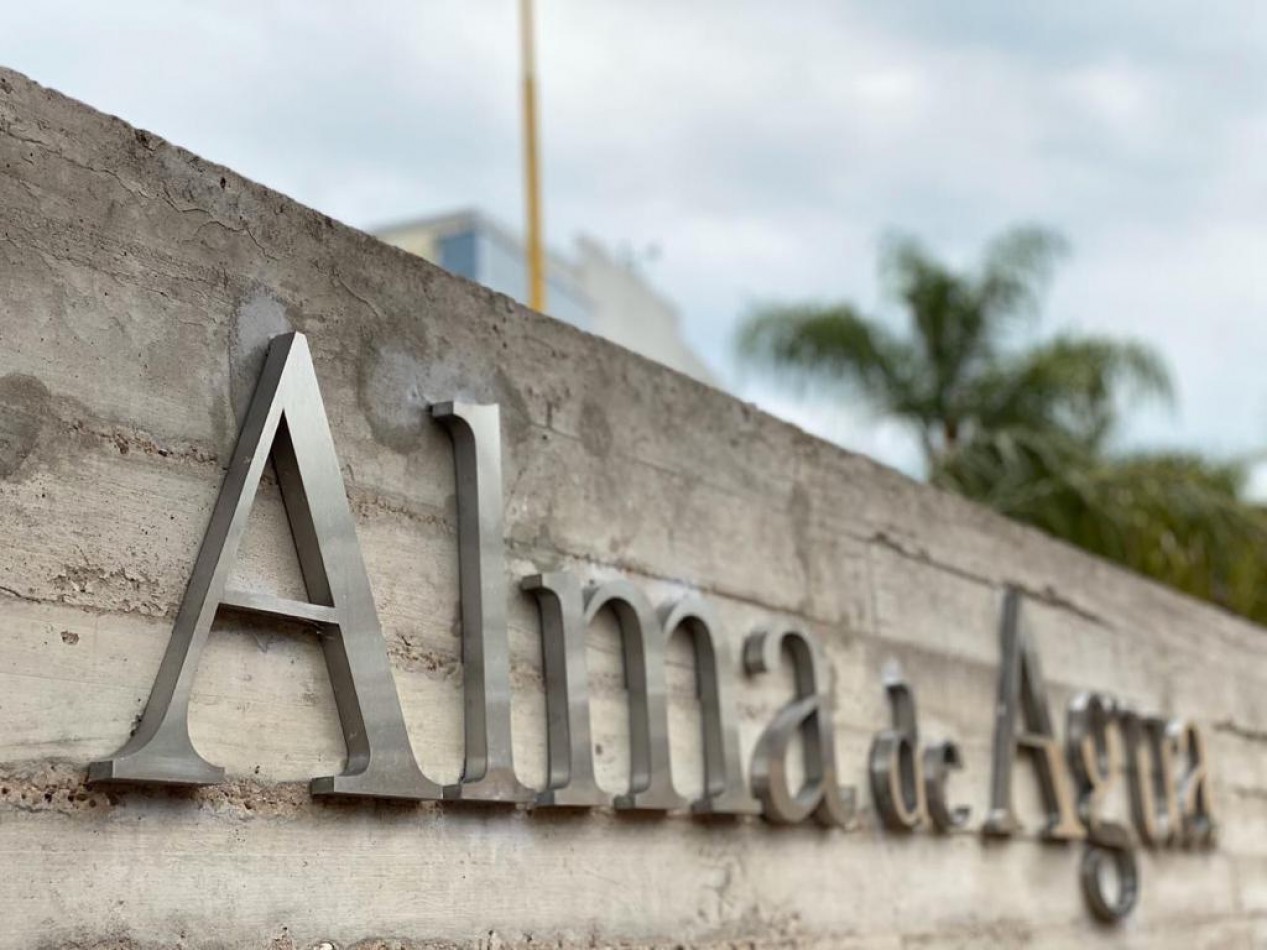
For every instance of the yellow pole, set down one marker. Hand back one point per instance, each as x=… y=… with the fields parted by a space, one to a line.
x=532 y=171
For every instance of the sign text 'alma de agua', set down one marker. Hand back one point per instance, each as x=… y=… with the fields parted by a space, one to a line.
x=1165 y=760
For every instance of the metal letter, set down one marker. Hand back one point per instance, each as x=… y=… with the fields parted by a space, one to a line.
x=285 y=417
x=650 y=770
x=1196 y=806
x=810 y=717
x=1090 y=871
x=571 y=782
x=1095 y=765
x=1095 y=762
x=1021 y=693
x=488 y=772
x=724 y=788
x=1152 y=743
x=894 y=763
x=939 y=760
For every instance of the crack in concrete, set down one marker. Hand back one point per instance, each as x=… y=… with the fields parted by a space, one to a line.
x=1046 y=595
x=1248 y=733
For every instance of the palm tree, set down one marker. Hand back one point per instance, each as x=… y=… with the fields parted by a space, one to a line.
x=951 y=377
x=1026 y=429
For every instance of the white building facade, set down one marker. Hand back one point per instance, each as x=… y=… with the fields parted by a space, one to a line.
x=592 y=289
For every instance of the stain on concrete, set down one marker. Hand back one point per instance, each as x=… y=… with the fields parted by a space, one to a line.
x=391 y=391
x=516 y=419
x=397 y=385
x=799 y=510
x=257 y=319
x=1247 y=733
x=596 y=431
x=25 y=404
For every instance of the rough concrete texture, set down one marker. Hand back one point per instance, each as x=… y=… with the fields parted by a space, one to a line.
x=138 y=287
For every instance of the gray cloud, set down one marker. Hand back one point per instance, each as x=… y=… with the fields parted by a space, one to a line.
x=765 y=148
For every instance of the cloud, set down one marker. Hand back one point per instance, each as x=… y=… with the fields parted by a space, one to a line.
x=765 y=149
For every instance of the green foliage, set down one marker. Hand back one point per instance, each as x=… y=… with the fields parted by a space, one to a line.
x=1068 y=386
x=1177 y=518
x=1027 y=430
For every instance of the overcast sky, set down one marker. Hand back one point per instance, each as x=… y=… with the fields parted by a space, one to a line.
x=763 y=148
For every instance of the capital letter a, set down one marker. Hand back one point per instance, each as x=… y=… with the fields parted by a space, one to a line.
x=286 y=419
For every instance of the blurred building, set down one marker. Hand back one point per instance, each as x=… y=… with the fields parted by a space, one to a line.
x=591 y=289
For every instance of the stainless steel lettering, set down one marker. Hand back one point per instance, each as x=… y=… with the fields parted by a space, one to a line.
x=286 y=418
x=724 y=788
x=1167 y=763
x=940 y=759
x=1094 y=758
x=1109 y=901
x=895 y=766
x=909 y=788
x=1152 y=744
x=569 y=743
x=1196 y=805
x=1021 y=694
x=650 y=772
x=488 y=772
x=808 y=716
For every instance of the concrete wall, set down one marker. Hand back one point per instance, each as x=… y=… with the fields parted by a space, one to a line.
x=138 y=286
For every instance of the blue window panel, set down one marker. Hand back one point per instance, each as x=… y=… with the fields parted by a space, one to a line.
x=566 y=303
x=483 y=256
x=459 y=255
x=502 y=267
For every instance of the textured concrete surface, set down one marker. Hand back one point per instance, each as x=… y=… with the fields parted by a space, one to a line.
x=138 y=286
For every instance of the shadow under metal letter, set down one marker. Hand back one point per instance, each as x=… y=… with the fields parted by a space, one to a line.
x=286 y=417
